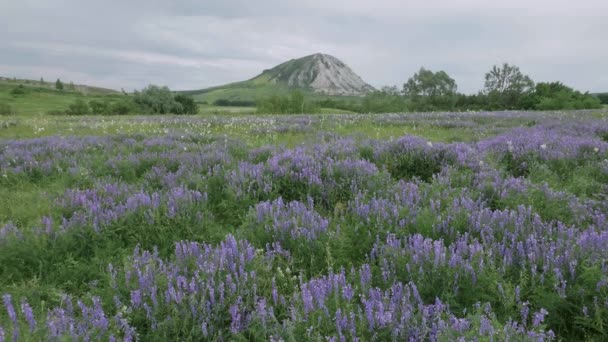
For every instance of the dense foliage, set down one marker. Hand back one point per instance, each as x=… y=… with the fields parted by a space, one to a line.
x=603 y=97
x=172 y=233
x=151 y=100
x=293 y=103
x=233 y=103
x=506 y=88
x=428 y=91
x=6 y=110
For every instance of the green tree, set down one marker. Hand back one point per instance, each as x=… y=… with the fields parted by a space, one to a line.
x=157 y=100
x=508 y=88
x=19 y=90
x=430 y=90
x=123 y=107
x=41 y=81
x=188 y=104
x=58 y=85
x=603 y=98
x=99 y=107
x=79 y=107
x=556 y=95
x=385 y=100
x=295 y=103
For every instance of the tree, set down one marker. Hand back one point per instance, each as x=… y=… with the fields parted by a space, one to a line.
x=385 y=100
x=58 y=85
x=79 y=107
x=41 y=81
x=295 y=103
x=603 y=98
x=430 y=90
x=99 y=107
x=123 y=107
x=508 y=87
x=556 y=95
x=19 y=90
x=187 y=103
x=157 y=100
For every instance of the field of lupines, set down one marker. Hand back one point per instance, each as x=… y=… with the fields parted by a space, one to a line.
x=417 y=227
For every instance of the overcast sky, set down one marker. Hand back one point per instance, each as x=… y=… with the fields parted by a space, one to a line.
x=193 y=44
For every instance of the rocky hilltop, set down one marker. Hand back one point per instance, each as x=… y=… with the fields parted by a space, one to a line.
x=319 y=72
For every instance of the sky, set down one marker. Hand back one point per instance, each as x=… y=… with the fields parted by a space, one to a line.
x=194 y=44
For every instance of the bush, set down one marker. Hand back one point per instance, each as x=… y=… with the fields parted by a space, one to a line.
x=122 y=107
x=234 y=103
x=555 y=95
x=56 y=112
x=19 y=90
x=99 y=107
x=79 y=107
x=293 y=104
x=6 y=110
x=188 y=106
x=157 y=100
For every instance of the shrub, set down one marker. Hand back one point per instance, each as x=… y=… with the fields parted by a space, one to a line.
x=19 y=90
x=79 y=107
x=99 y=107
x=123 y=107
x=6 y=110
x=157 y=100
x=233 y=103
x=188 y=106
x=55 y=112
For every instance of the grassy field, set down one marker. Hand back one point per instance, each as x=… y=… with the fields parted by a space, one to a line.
x=38 y=101
x=430 y=226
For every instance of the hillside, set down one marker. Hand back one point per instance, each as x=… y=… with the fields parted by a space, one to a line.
x=317 y=75
x=38 y=98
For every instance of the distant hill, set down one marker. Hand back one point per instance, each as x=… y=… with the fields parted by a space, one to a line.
x=319 y=75
x=39 y=98
x=51 y=85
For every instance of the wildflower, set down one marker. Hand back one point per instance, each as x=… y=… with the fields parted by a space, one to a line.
x=543 y=146
x=539 y=317
x=29 y=314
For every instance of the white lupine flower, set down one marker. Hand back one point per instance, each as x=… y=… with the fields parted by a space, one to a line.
x=543 y=146
x=596 y=150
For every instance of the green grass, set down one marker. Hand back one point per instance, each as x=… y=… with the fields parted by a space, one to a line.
x=38 y=100
x=206 y=109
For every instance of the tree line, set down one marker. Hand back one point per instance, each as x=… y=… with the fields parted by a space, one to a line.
x=150 y=100
x=505 y=88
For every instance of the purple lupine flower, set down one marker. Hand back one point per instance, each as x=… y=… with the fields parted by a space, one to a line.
x=485 y=326
x=136 y=298
x=12 y=314
x=539 y=317
x=26 y=309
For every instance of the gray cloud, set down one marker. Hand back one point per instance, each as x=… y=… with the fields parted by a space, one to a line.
x=190 y=44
